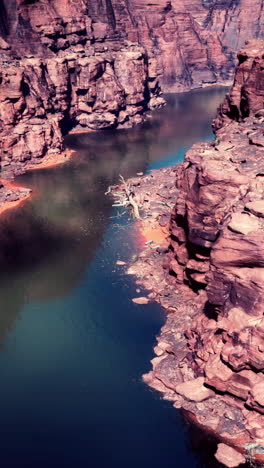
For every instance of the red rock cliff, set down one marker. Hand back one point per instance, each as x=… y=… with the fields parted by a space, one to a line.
x=215 y=367
x=194 y=41
x=66 y=65
x=94 y=64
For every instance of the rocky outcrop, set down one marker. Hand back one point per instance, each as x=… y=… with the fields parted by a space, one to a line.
x=66 y=66
x=41 y=99
x=194 y=42
x=11 y=196
x=247 y=94
x=210 y=352
x=228 y=456
x=95 y=65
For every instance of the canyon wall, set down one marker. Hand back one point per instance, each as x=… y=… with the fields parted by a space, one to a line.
x=62 y=67
x=211 y=351
x=96 y=64
x=194 y=41
x=41 y=99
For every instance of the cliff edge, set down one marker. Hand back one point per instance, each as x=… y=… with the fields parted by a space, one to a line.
x=210 y=354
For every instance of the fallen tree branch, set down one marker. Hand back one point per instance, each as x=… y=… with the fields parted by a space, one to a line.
x=130 y=200
x=109 y=190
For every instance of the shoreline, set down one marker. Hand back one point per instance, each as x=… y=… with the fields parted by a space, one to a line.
x=56 y=159
x=223 y=84
x=154 y=194
x=22 y=194
x=18 y=194
x=182 y=306
x=52 y=160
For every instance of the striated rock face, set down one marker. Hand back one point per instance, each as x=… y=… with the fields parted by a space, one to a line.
x=247 y=93
x=91 y=64
x=217 y=252
x=40 y=99
x=66 y=65
x=194 y=41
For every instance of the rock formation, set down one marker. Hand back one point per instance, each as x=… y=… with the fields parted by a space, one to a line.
x=59 y=71
x=211 y=350
x=43 y=98
x=194 y=41
x=95 y=64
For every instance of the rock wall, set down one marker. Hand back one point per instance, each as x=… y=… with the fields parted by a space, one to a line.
x=246 y=95
x=65 y=65
x=95 y=64
x=41 y=99
x=211 y=358
x=194 y=41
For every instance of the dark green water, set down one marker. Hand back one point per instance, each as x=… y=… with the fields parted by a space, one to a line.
x=73 y=345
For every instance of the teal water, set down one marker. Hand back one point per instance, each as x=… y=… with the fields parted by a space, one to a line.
x=73 y=345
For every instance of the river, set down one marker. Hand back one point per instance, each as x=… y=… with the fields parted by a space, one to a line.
x=73 y=345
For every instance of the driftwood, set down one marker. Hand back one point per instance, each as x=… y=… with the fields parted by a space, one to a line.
x=130 y=199
x=126 y=198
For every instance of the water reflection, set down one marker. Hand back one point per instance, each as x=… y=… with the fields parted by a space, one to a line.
x=73 y=345
x=56 y=233
x=185 y=120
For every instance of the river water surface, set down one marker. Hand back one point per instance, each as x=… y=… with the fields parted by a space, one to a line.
x=73 y=345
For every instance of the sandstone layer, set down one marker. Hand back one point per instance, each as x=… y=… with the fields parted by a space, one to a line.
x=90 y=65
x=194 y=41
x=41 y=99
x=58 y=72
x=210 y=353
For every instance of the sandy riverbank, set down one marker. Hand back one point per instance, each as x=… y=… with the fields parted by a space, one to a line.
x=12 y=195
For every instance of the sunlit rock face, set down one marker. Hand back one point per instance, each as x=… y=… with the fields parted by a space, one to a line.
x=217 y=253
x=246 y=97
x=67 y=65
x=88 y=64
x=194 y=41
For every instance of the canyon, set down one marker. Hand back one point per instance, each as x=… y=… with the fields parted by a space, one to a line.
x=84 y=66
x=89 y=65
x=208 y=273
x=69 y=330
